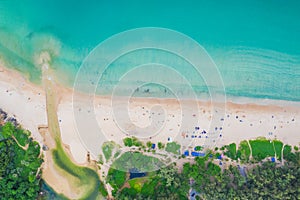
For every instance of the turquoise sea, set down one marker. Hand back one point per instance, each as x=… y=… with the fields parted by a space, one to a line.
x=255 y=44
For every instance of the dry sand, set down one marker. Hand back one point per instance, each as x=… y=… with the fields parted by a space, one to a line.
x=23 y=100
x=238 y=122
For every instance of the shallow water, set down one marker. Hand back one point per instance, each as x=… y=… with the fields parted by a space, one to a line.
x=49 y=193
x=255 y=45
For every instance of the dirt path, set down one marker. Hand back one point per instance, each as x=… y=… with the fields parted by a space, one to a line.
x=24 y=148
x=274 y=149
x=251 y=157
x=282 y=159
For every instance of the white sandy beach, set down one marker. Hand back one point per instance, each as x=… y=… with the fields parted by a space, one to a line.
x=26 y=102
x=23 y=100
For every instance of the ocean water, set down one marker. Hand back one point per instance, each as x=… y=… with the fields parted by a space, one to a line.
x=255 y=44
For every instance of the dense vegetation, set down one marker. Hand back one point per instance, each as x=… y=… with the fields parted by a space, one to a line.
x=129 y=142
x=20 y=160
x=165 y=183
x=257 y=179
x=267 y=181
x=290 y=156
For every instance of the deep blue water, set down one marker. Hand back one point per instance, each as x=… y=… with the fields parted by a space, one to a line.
x=135 y=173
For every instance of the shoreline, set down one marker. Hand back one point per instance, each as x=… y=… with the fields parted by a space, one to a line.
x=263 y=118
x=65 y=85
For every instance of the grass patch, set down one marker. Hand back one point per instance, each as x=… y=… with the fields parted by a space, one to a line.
x=278 y=147
x=173 y=147
x=129 y=142
x=244 y=150
x=231 y=151
x=142 y=163
x=116 y=178
x=137 y=183
x=107 y=149
x=117 y=154
x=261 y=149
